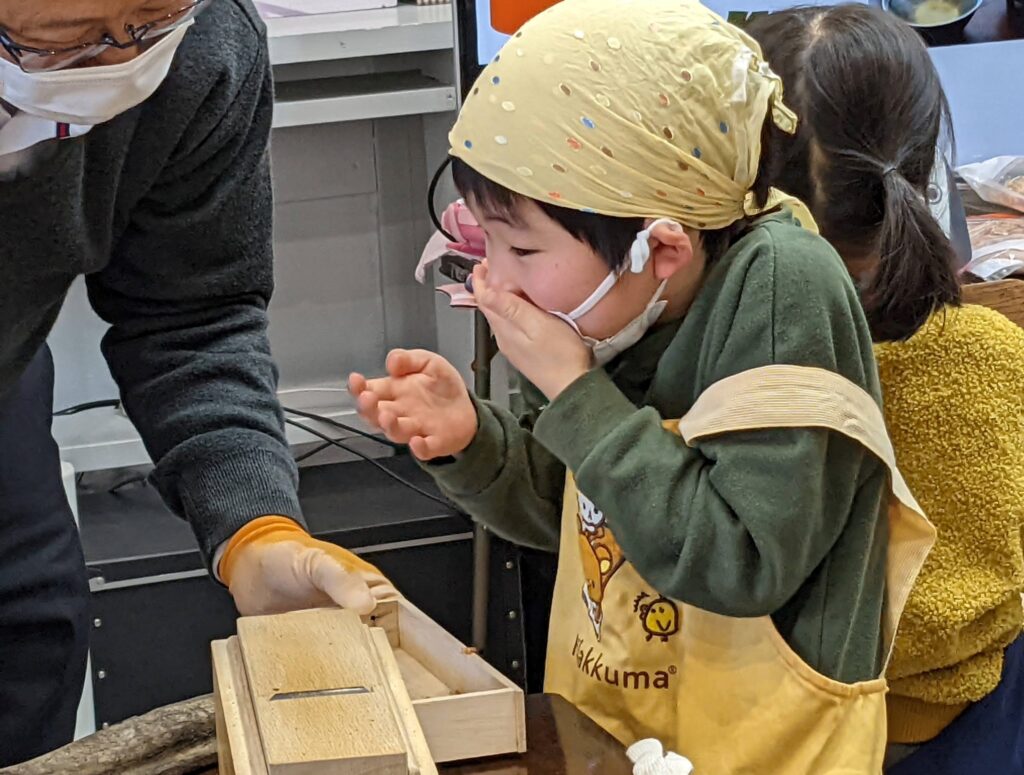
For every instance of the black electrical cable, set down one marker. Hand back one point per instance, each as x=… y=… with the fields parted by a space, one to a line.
x=315 y=451
x=343 y=427
x=132 y=480
x=431 y=192
x=113 y=403
x=110 y=403
x=352 y=450
x=328 y=442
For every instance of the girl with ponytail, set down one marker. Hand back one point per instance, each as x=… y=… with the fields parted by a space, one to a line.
x=871 y=113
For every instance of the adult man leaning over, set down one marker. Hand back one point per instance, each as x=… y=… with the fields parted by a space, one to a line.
x=133 y=150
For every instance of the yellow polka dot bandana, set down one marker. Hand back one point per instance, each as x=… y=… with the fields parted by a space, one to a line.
x=628 y=108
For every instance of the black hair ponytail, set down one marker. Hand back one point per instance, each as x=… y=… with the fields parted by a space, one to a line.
x=871 y=111
x=915 y=274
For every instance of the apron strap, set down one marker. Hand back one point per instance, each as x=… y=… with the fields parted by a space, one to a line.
x=805 y=397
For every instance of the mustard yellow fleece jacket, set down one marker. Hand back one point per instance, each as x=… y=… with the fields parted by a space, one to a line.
x=954 y=404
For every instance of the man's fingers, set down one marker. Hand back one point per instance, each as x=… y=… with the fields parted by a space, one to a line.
x=346 y=589
x=385 y=593
x=401 y=363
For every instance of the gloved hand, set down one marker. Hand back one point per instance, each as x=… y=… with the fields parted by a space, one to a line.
x=272 y=565
x=649 y=758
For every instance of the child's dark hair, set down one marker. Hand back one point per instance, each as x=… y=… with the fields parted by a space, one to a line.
x=871 y=110
x=610 y=237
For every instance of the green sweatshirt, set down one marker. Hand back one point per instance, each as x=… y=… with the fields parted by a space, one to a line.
x=787 y=523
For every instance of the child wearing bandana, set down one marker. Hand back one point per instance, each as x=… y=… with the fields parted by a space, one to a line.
x=703 y=443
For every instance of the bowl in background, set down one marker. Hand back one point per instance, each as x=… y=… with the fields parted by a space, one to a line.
x=938 y=21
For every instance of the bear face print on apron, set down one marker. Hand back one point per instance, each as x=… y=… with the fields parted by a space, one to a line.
x=729 y=694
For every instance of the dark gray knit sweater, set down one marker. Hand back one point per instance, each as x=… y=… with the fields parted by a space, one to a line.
x=168 y=212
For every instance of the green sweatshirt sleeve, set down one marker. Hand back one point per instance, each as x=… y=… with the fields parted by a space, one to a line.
x=735 y=525
x=506 y=479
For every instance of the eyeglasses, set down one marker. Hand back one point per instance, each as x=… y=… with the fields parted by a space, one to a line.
x=41 y=60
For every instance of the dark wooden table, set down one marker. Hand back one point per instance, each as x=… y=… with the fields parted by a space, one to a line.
x=561 y=741
x=993 y=22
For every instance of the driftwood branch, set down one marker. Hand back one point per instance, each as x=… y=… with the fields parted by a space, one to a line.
x=179 y=739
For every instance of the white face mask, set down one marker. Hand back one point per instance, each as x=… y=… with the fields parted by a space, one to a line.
x=607 y=349
x=91 y=95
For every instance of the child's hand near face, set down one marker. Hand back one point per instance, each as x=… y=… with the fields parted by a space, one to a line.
x=423 y=403
x=540 y=346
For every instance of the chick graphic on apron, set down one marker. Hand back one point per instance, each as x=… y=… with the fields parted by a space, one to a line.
x=729 y=694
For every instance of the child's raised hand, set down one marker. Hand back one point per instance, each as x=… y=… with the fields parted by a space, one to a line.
x=540 y=346
x=423 y=402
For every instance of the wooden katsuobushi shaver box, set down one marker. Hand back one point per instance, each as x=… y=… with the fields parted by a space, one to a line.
x=322 y=691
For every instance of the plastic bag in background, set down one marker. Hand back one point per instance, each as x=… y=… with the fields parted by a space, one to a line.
x=998 y=246
x=999 y=180
x=459 y=296
x=469 y=242
x=457 y=249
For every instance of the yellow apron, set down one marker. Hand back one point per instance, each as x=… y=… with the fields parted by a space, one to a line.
x=727 y=693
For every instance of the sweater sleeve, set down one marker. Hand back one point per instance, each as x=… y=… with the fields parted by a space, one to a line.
x=186 y=294
x=738 y=523
x=506 y=479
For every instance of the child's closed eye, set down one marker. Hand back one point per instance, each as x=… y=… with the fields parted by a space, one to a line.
x=523 y=252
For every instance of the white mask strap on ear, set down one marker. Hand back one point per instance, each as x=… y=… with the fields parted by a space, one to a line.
x=640 y=252
x=596 y=297
x=639 y=255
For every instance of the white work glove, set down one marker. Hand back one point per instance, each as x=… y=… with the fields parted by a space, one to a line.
x=649 y=758
x=272 y=565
